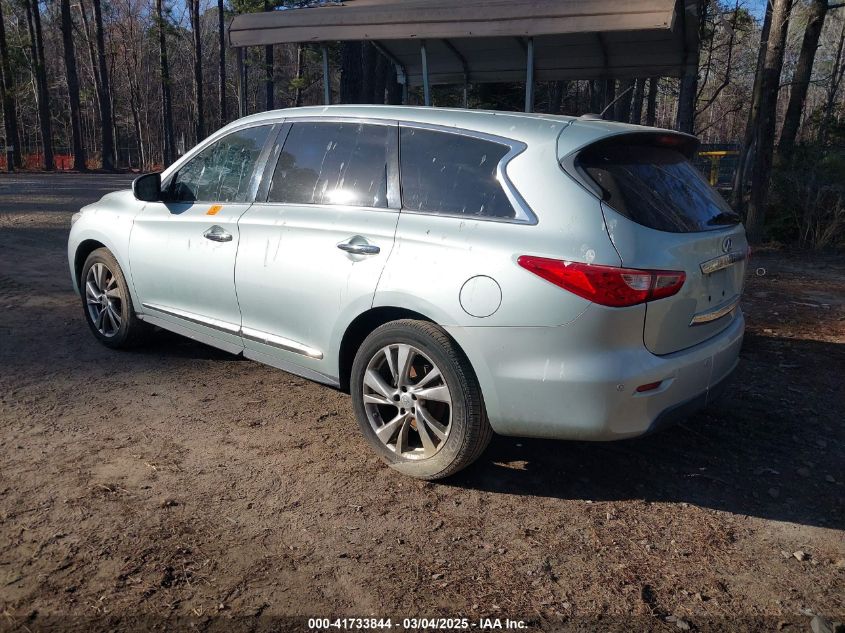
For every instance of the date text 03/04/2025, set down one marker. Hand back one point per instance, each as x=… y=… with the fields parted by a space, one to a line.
x=416 y=624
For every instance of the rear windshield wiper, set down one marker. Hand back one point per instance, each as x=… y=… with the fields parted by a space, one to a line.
x=724 y=217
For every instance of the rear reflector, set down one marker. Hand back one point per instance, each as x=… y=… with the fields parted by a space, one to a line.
x=606 y=285
x=649 y=387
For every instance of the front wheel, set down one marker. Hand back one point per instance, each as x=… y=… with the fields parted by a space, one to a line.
x=106 y=302
x=417 y=400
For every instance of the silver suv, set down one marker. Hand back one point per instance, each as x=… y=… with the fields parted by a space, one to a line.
x=458 y=272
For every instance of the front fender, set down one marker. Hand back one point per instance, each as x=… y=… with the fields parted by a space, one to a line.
x=111 y=227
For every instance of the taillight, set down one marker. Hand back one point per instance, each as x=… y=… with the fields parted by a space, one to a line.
x=606 y=285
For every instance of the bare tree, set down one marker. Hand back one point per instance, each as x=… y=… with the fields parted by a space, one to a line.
x=221 y=72
x=92 y=56
x=164 y=70
x=637 y=101
x=10 y=117
x=33 y=19
x=651 y=107
x=269 y=71
x=196 y=27
x=105 y=90
x=741 y=174
x=686 y=103
x=801 y=77
x=596 y=96
x=769 y=72
x=726 y=63
x=689 y=80
x=134 y=105
x=556 y=90
x=622 y=108
x=609 y=92
x=833 y=86
x=297 y=88
x=72 y=86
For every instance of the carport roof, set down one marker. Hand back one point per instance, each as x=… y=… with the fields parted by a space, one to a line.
x=485 y=40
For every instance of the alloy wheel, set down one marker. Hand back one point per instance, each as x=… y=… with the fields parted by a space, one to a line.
x=407 y=401
x=104 y=299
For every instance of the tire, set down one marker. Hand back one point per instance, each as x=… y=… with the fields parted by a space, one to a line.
x=122 y=329
x=437 y=399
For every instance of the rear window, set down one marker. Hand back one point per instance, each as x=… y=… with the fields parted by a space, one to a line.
x=452 y=174
x=657 y=187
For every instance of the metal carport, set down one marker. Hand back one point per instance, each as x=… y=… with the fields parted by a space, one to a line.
x=482 y=41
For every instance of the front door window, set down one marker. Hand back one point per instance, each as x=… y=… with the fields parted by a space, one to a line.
x=222 y=172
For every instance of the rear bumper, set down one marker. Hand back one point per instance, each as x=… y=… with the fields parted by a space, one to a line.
x=683 y=410
x=578 y=381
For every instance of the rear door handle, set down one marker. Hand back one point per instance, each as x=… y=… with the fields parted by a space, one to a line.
x=217 y=234
x=359 y=249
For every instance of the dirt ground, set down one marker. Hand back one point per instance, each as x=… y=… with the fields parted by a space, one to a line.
x=179 y=487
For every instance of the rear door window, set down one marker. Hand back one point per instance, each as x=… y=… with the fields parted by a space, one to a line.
x=451 y=174
x=333 y=164
x=657 y=187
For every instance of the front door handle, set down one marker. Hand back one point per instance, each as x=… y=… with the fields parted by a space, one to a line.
x=217 y=234
x=359 y=249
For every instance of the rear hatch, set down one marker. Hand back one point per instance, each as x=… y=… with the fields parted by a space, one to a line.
x=661 y=214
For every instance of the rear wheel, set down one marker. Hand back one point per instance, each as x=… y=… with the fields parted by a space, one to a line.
x=106 y=302
x=417 y=400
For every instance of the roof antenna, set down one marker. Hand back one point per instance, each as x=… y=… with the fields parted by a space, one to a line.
x=600 y=116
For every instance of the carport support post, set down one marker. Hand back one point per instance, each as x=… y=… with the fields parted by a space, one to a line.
x=241 y=83
x=426 y=87
x=327 y=91
x=529 y=76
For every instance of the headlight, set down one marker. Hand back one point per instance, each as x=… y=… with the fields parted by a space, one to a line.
x=75 y=217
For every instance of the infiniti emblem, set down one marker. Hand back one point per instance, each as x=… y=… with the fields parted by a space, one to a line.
x=726 y=245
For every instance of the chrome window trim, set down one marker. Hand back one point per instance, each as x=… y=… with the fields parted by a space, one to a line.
x=339 y=119
x=524 y=213
x=717 y=313
x=470 y=218
x=328 y=207
x=269 y=166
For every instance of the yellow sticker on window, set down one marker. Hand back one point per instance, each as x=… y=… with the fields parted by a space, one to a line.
x=214 y=209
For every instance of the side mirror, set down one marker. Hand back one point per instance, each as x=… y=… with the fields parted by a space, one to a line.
x=147 y=188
